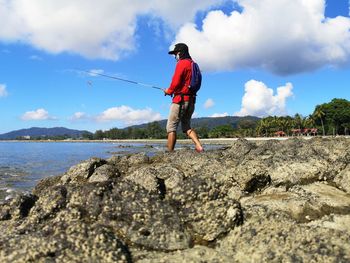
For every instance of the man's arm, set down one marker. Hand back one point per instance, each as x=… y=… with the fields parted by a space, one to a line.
x=176 y=80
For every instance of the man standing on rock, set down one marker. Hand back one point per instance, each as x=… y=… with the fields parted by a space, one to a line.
x=183 y=102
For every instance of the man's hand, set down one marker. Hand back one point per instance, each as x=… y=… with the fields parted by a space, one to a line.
x=166 y=92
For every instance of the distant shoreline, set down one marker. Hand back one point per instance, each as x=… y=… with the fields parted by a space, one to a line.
x=181 y=141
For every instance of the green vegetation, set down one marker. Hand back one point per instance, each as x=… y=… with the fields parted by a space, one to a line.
x=331 y=118
x=334 y=117
x=152 y=131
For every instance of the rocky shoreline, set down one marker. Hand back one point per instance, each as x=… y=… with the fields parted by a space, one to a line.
x=254 y=201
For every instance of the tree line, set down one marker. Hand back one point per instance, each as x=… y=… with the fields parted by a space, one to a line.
x=331 y=118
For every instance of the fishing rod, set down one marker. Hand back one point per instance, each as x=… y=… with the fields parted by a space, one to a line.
x=121 y=79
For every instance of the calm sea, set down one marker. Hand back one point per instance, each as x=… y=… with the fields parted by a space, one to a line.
x=23 y=164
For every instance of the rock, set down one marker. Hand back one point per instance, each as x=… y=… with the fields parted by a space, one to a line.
x=206 y=208
x=50 y=202
x=196 y=254
x=342 y=179
x=273 y=236
x=303 y=203
x=151 y=177
x=142 y=218
x=104 y=173
x=82 y=171
x=333 y=221
x=61 y=243
x=46 y=183
x=265 y=201
x=18 y=208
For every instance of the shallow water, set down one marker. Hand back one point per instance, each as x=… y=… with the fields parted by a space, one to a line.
x=23 y=164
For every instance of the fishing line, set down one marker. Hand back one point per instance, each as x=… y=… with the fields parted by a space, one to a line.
x=121 y=79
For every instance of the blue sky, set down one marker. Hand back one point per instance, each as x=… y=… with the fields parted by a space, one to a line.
x=258 y=57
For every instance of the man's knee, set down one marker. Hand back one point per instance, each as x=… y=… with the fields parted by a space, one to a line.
x=188 y=132
x=170 y=129
x=171 y=126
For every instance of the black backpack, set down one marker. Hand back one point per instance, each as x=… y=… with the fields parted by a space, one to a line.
x=196 y=79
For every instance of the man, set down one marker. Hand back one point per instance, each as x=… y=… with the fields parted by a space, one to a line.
x=183 y=102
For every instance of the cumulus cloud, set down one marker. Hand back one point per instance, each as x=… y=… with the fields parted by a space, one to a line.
x=129 y=115
x=39 y=114
x=209 y=103
x=3 y=91
x=283 y=37
x=105 y=29
x=219 y=115
x=259 y=100
x=302 y=40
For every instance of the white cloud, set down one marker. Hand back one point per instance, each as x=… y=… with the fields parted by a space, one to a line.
x=35 y=57
x=209 y=103
x=3 y=91
x=39 y=114
x=259 y=100
x=302 y=39
x=94 y=29
x=78 y=116
x=129 y=115
x=284 y=37
x=95 y=72
x=219 y=115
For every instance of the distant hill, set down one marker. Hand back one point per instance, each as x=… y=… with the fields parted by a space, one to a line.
x=42 y=132
x=208 y=122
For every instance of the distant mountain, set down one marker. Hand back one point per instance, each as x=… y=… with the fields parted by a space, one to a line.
x=208 y=122
x=42 y=132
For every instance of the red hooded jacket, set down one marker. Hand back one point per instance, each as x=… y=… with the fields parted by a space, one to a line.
x=181 y=81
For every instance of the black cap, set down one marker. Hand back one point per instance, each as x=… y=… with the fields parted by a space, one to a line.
x=179 y=47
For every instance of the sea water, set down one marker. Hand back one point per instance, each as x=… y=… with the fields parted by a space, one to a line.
x=23 y=164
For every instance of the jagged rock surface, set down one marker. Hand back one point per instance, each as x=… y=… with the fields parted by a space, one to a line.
x=266 y=201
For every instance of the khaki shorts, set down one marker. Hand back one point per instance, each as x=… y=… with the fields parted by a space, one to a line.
x=180 y=112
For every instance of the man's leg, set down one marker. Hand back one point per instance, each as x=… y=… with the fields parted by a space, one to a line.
x=186 y=124
x=171 y=141
x=193 y=135
x=173 y=122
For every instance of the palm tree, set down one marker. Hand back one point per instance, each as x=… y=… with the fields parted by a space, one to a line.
x=298 y=121
x=285 y=124
x=262 y=127
x=319 y=114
